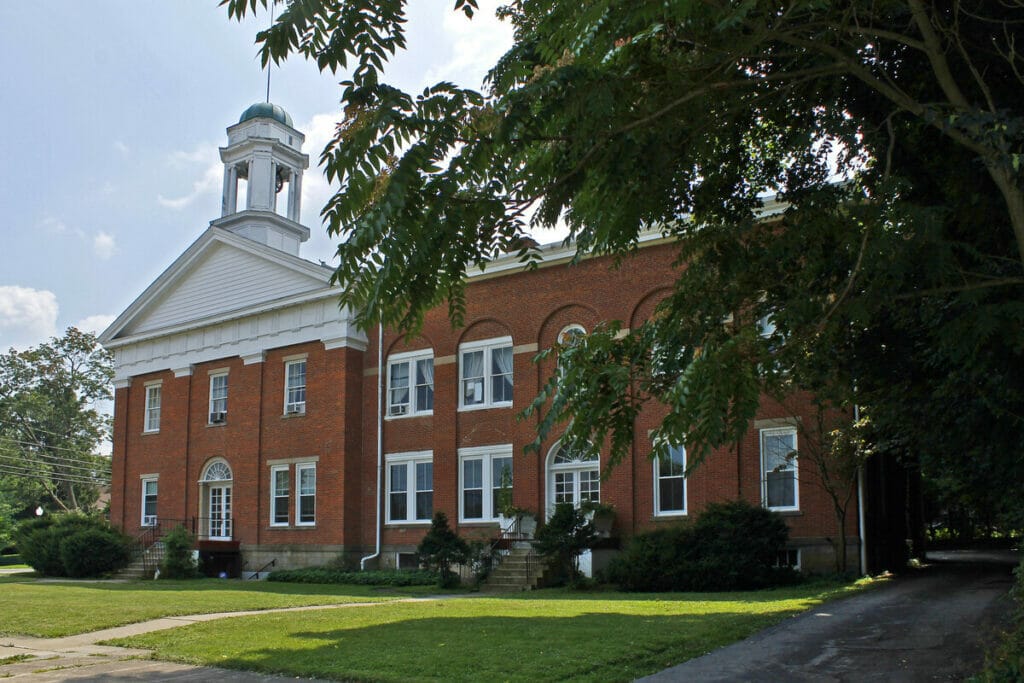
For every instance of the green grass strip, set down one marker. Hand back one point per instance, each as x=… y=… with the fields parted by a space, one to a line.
x=542 y=636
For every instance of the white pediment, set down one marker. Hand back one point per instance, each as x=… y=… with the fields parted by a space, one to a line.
x=220 y=274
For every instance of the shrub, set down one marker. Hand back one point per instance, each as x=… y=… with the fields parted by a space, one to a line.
x=177 y=562
x=441 y=548
x=561 y=540
x=732 y=546
x=341 y=576
x=1006 y=661
x=42 y=542
x=94 y=552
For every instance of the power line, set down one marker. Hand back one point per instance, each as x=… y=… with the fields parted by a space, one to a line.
x=39 y=446
x=68 y=479
x=22 y=462
x=41 y=453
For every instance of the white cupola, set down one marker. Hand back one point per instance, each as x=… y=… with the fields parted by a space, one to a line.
x=264 y=159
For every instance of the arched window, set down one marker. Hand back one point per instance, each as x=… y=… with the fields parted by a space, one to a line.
x=570 y=334
x=574 y=476
x=217 y=471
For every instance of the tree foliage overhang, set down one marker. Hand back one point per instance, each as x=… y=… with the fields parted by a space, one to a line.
x=616 y=116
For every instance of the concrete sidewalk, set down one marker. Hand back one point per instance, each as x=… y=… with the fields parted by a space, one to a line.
x=81 y=658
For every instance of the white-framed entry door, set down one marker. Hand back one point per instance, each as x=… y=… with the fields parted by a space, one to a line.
x=215 y=496
x=572 y=477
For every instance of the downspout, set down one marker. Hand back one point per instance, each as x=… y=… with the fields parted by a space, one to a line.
x=380 y=439
x=861 y=526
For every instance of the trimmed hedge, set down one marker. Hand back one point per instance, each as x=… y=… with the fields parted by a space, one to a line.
x=72 y=545
x=732 y=546
x=341 y=576
x=177 y=562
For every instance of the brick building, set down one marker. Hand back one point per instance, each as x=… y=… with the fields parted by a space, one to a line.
x=251 y=409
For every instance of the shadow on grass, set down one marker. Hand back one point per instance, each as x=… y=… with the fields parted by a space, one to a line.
x=589 y=646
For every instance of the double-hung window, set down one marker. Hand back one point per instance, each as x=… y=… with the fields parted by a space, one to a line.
x=305 y=475
x=149 y=491
x=779 y=469
x=295 y=387
x=411 y=384
x=153 y=395
x=280 y=495
x=483 y=472
x=218 y=397
x=670 y=482
x=410 y=487
x=485 y=373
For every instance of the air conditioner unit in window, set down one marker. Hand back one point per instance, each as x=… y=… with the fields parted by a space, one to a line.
x=149 y=520
x=399 y=410
x=295 y=410
x=217 y=418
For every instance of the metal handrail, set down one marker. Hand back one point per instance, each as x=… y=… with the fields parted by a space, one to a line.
x=506 y=538
x=256 y=574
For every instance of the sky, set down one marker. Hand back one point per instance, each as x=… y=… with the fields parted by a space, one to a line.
x=113 y=112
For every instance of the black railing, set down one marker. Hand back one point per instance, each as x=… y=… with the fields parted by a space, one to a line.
x=256 y=574
x=507 y=537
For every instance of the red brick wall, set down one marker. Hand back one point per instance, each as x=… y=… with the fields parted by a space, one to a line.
x=339 y=426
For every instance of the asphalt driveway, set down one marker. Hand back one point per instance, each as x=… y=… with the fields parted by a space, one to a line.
x=932 y=625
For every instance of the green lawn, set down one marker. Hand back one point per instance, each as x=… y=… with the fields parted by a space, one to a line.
x=31 y=607
x=545 y=635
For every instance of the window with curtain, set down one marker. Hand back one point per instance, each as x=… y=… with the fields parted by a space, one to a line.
x=779 y=469
x=485 y=373
x=410 y=384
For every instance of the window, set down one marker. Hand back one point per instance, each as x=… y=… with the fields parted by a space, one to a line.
x=305 y=512
x=295 y=387
x=410 y=487
x=670 y=482
x=280 y=491
x=149 y=490
x=218 y=397
x=778 y=463
x=485 y=373
x=788 y=558
x=410 y=384
x=153 y=408
x=571 y=334
x=482 y=473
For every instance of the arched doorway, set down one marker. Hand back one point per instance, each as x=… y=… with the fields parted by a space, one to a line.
x=572 y=477
x=215 y=497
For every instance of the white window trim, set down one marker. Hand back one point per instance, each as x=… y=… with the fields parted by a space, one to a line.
x=487 y=346
x=796 y=469
x=657 y=491
x=147 y=423
x=568 y=329
x=273 y=497
x=144 y=519
x=297 y=407
x=410 y=357
x=213 y=376
x=298 y=492
x=410 y=460
x=485 y=453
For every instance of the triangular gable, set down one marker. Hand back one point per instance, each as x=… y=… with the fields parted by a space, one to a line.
x=218 y=274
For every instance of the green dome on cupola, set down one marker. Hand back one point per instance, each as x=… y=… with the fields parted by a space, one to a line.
x=266 y=110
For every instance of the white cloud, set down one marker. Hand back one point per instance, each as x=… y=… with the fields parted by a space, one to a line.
x=122 y=147
x=27 y=316
x=210 y=178
x=94 y=323
x=103 y=245
x=475 y=45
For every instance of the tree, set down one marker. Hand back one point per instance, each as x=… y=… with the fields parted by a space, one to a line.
x=50 y=423
x=441 y=548
x=889 y=133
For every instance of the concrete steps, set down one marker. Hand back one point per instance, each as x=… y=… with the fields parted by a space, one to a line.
x=145 y=564
x=520 y=570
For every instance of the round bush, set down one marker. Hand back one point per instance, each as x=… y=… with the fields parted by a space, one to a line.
x=40 y=541
x=94 y=552
x=732 y=546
